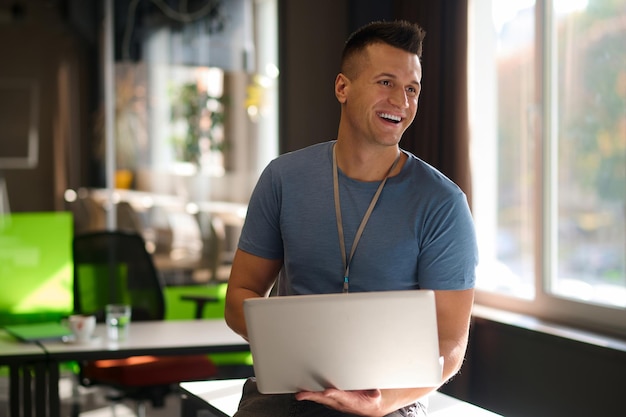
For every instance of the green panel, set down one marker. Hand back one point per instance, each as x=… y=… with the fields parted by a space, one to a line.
x=35 y=265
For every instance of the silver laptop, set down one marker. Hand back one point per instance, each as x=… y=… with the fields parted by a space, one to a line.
x=346 y=341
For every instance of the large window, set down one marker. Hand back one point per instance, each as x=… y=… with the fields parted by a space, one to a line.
x=548 y=123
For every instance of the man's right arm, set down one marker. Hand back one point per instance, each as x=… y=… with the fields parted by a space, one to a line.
x=250 y=276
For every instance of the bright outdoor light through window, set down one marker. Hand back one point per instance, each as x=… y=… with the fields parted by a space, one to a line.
x=548 y=125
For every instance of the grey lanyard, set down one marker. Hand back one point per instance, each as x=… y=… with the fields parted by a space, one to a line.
x=366 y=216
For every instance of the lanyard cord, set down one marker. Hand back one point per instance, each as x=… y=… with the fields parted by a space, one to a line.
x=366 y=216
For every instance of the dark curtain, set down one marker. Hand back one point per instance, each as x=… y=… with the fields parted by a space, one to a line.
x=440 y=133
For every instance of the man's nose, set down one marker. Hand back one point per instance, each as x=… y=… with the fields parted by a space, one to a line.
x=399 y=98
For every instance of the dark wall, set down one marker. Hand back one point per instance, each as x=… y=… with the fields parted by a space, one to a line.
x=40 y=44
x=519 y=372
x=311 y=36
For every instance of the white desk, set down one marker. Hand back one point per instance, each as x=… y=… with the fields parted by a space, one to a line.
x=13 y=351
x=173 y=337
x=146 y=338
x=221 y=398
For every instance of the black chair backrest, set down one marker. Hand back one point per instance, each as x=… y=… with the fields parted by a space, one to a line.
x=114 y=267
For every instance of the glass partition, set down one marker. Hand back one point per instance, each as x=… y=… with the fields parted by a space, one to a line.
x=195 y=93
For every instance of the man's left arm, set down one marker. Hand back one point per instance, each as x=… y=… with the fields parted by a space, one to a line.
x=454 y=308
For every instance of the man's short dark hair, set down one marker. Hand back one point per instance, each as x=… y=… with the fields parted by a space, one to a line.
x=399 y=34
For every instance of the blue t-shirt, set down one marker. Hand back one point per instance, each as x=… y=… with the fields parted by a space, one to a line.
x=419 y=236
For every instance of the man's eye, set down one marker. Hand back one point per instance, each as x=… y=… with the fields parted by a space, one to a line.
x=411 y=91
x=385 y=82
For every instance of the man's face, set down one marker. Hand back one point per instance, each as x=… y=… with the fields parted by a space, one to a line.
x=379 y=101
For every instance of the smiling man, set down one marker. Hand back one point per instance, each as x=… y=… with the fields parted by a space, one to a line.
x=360 y=214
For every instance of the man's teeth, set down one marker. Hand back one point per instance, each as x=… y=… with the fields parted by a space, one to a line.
x=390 y=117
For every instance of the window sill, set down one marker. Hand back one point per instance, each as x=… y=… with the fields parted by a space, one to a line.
x=534 y=324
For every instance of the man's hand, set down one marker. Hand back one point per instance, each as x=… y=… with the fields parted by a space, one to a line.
x=362 y=403
x=372 y=402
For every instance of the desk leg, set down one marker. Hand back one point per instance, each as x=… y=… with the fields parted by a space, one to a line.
x=47 y=401
x=45 y=396
x=41 y=386
x=14 y=390
x=27 y=393
x=53 y=389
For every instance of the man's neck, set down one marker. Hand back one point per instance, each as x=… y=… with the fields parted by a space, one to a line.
x=368 y=164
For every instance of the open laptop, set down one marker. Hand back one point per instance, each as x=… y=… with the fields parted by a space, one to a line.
x=38 y=332
x=346 y=341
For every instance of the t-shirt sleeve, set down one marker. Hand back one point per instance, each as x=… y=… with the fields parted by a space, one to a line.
x=449 y=253
x=260 y=234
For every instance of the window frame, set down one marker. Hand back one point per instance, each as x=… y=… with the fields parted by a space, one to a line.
x=547 y=306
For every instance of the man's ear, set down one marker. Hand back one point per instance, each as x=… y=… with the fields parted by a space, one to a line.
x=342 y=84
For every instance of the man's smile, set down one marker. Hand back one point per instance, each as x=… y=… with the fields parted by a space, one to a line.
x=390 y=117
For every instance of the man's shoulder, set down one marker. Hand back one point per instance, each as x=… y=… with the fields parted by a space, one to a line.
x=316 y=148
x=429 y=176
x=312 y=155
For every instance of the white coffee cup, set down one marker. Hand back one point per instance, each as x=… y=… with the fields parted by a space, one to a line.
x=82 y=326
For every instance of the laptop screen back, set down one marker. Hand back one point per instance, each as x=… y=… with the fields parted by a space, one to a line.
x=346 y=341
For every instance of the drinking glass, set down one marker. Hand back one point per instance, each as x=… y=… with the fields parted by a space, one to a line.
x=117 y=321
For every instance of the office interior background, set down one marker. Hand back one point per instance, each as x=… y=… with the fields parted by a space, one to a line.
x=523 y=105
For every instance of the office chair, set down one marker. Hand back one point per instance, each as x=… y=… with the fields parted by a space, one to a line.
x=115 y=267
